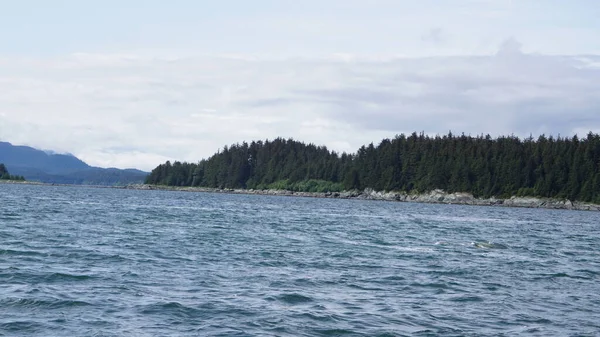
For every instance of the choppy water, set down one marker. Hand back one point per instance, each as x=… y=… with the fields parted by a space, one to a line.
x=105 y=262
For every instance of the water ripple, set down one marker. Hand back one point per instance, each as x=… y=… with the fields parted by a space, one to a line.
x=109 y=262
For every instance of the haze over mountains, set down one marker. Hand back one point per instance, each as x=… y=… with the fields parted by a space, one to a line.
x=48 y=167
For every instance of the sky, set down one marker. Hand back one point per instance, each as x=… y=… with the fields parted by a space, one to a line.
x=131 y=83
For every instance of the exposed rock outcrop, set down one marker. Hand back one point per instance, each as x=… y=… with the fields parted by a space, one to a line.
x=433 y=197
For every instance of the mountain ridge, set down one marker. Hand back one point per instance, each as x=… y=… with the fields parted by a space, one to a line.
x=49 y=167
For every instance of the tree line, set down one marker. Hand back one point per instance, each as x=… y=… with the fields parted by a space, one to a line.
x=4 y=175
x=561 y=167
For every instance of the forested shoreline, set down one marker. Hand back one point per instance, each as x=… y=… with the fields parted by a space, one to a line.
x=5 y=175
x=483 y=166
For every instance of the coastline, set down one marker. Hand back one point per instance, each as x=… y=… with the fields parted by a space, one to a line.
x=433 y=197
x=21 y=182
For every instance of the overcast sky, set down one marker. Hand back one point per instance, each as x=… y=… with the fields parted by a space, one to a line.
x=134 y=83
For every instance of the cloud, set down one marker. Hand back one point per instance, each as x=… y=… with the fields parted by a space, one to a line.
x=138 y=111
x=435 y=36
x=510 y=47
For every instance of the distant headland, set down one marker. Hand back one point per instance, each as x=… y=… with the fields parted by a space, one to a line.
x=5 y=175
x=486 y=168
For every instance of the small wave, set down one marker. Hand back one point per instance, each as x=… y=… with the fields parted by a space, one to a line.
x=488 y=245
x=441 y=331
x=13 y=252
x=394 y=278
x=382 y=242
x=9 y=218
x=319 y=317
x=63 y=277
x=430 y=285
x=493 y=286
x=386 y=334
x=449 y=272
x=562 y=275
x=467 y=299
x=592 y=273
x=38 y=303
x=334 y=332
x=343 y=255
x=521 y=318
x=22 y=327
x=172 y=309
x=294 y=298
x=306 y=282
x=360 y=287
x=414 y=249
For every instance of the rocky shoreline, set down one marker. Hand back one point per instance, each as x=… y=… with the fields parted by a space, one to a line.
x=433 y=197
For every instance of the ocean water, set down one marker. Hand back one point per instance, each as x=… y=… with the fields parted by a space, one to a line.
x=78 y=261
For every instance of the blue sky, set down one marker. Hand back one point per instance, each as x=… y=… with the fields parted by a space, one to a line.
x=134 y=83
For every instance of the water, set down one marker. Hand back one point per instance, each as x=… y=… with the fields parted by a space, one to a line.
x=77 y=261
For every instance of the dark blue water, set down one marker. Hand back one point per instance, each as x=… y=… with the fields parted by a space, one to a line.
x=106 y=262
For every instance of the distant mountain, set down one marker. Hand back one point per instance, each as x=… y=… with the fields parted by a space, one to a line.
x=49 y=167
x=17 y=157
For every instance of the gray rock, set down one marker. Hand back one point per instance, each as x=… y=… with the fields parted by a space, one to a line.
x=434 y=196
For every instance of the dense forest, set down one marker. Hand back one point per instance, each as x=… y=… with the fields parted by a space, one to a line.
x=485 y=166
x=4 y=175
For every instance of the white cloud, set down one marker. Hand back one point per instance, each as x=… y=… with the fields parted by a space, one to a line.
x=138 y=111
